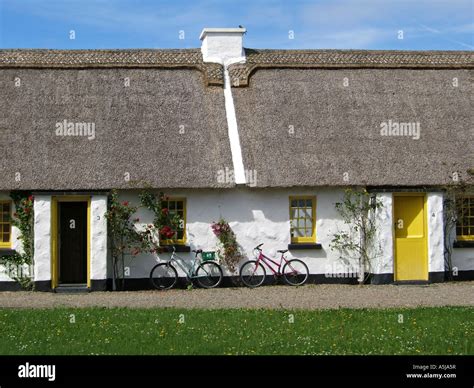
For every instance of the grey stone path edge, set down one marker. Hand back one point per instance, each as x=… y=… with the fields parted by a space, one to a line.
x=308 y=297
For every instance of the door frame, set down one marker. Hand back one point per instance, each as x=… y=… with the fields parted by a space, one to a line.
x=425 y=231
x=55 y=200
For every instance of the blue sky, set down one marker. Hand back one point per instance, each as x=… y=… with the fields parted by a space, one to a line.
x=338 y=24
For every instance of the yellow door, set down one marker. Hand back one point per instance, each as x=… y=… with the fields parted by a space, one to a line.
x=411 y=261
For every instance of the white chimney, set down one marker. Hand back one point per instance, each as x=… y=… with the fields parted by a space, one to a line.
x=222 y=45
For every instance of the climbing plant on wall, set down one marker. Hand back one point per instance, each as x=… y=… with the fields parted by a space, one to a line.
x=122 y=235
x=357 y=210
x=23 y=220
x=228 y=250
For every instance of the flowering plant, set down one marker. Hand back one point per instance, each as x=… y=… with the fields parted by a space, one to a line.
x=164 y=226
x=23 y=220
x=123 y=236
x=228 y=250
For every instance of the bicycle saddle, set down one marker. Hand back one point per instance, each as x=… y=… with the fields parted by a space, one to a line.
x=283 y=251
x=197 y=251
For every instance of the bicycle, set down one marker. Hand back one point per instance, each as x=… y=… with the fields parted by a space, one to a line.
x=208 y=274
x=294 y=271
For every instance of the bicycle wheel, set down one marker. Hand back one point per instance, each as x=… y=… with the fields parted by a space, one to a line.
x=295 y=272
x=209 y=274
x=163 y=276
x=252 y=274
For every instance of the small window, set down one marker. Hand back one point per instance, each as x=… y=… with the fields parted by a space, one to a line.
x=302 y=219
x=177 y=206
x=5 y=224
x=465 y=218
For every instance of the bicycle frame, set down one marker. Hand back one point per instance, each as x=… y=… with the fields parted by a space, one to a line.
x=269 y=262
x=190 y=269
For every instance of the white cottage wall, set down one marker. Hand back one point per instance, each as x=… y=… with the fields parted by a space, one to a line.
x=98 y=259
x=383 y=250
x=42 y=225
x=435 y=232
x=256 y=216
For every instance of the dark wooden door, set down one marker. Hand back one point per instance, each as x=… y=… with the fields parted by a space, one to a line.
x=73 y=242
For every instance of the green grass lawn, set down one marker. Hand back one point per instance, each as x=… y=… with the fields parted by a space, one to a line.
x=446 y=330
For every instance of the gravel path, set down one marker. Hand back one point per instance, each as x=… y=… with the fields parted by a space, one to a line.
x=273 y=297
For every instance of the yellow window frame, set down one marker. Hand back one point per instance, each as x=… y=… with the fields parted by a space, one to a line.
x=180 y=241
x=306 y=239
x=470 y=217
x=7 y=244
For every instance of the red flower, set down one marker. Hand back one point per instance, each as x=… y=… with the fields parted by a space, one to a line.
x=165 y=211
x=15 y=214
x=167 y=232
x=30 y=198
x=125 y=203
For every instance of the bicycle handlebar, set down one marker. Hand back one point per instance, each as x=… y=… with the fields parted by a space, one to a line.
x=258 y=247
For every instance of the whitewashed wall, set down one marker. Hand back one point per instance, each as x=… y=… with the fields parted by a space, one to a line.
x=42 y=225
x=256 y=216
x=435 y=232
x=463 y=259
x=383 y=263
x=98 y=270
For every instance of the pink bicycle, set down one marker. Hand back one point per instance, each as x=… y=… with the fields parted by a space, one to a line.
x=252 y=272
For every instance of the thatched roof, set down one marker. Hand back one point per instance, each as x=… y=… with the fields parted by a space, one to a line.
x=300 y=126
x=137 y=128
x=336 y=127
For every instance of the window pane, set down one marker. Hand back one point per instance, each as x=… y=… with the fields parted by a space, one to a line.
x=306 y=212
x=309 y=232
x=299 y=232
x=180 y=204
x=309 y=203
x=301 y=203
x=6 y=237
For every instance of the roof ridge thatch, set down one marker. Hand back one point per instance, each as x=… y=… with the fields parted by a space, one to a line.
x=106 y=58
x=270 y=58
